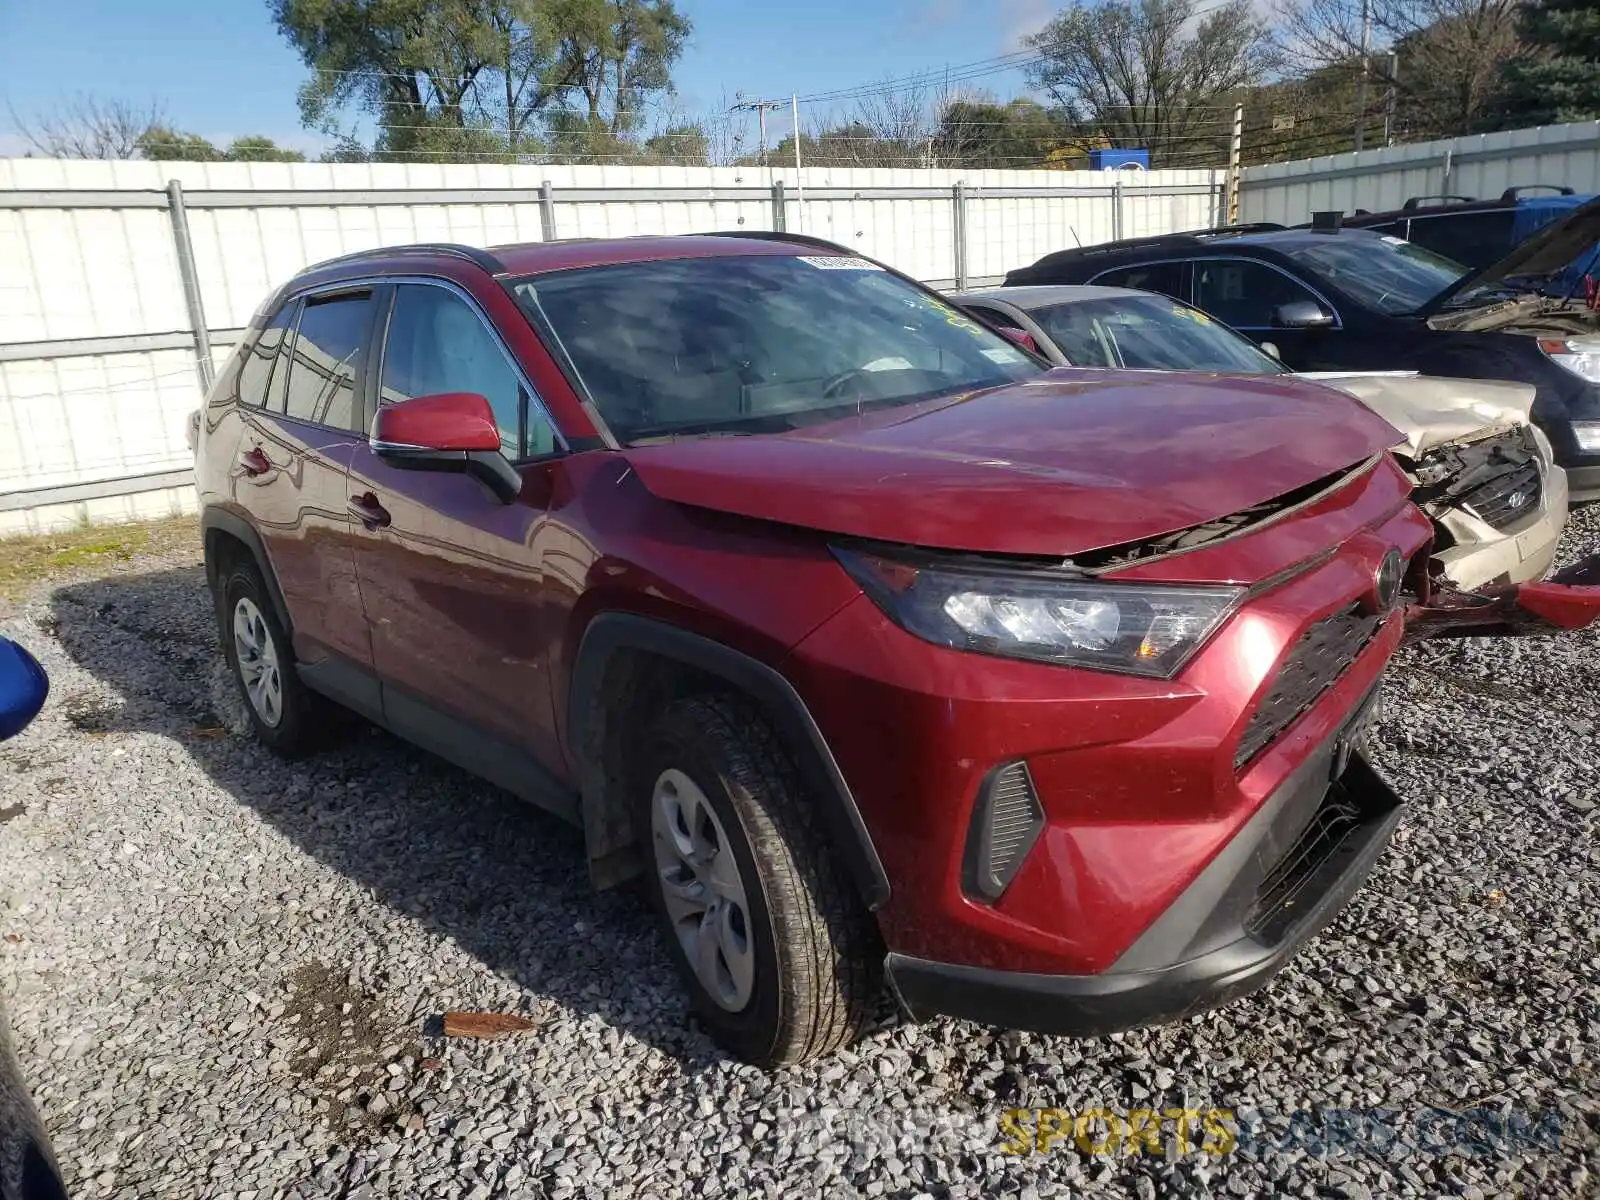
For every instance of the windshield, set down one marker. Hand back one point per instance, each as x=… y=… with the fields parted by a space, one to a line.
x=760 y=342
x=1388 y=274
x=1149 y=333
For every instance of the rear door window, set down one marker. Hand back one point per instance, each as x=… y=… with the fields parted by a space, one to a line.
x=1167 y=278
x=325 y=367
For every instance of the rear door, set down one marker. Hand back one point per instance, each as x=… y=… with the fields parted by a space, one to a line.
x=292 y=462
x=463 y=619
x=1166 y=278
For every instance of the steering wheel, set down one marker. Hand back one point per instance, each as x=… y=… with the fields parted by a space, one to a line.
x=835 y=383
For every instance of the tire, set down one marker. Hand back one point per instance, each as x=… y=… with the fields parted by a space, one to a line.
x=800 y=981
x=288 y=718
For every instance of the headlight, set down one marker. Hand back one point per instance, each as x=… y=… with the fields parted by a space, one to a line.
x=1588 y=435
x=1580 y=355
x=1044 y=615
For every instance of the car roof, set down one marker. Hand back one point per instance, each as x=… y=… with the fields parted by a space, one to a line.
x=1198 y=245
x=1030 y=296
x=531 y=258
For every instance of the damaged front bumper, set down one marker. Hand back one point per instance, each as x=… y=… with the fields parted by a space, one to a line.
x=1568 y=600
x=1499 y=505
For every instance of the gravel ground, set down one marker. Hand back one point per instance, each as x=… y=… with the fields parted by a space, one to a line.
x=226 y=973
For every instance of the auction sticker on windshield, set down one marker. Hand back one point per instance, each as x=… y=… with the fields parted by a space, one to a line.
x=838 y=262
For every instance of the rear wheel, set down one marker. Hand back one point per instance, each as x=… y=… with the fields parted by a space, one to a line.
x=286 y=715
x=780 y=958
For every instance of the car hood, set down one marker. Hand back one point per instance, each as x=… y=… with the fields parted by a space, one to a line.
x=1549 y=250
x=1072 y=461
x=1430 y=412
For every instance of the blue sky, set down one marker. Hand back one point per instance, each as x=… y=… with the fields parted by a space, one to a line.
x=222 y=70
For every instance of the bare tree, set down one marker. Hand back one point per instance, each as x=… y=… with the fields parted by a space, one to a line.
x=1448 y=54
x=87 y=127
x=1150 y=73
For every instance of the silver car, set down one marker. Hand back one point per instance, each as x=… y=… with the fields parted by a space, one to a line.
x=1483 y=471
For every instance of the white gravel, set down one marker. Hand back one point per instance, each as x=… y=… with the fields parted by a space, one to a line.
x=225 y=973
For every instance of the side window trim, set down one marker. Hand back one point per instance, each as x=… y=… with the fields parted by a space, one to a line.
x=277 y=398
x=528 y=398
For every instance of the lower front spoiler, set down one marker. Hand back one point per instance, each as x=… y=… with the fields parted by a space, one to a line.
x=1093 y=1005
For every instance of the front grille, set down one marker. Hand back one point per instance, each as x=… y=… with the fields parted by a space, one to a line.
x=1275 y=906
x=1504 y=501
x=1313 y=664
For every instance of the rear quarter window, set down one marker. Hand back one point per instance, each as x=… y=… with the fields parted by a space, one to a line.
x=255 y=367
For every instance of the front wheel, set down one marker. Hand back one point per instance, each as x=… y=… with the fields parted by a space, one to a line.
x=780 y=958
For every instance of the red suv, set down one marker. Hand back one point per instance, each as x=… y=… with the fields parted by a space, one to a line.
x=877 y=648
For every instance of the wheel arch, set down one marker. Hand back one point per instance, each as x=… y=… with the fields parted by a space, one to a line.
x=217 y=527
x=621 y=656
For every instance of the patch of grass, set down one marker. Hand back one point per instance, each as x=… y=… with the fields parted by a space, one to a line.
x=26 y=561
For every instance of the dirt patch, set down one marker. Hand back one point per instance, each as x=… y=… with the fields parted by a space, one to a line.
x=360 y=1068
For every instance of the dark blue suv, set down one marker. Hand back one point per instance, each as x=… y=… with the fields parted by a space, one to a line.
x=1331 y=298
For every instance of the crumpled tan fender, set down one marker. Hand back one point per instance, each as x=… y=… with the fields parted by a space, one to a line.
x=1431 y=412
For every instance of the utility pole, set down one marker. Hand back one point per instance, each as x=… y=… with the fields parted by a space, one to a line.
x=799 y=185
x=1394 y=94
x=1361 y=85
x=1235 y=151
x=761 y=108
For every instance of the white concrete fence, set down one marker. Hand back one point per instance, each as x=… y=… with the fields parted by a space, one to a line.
x=105 y=327
x=1483 y=166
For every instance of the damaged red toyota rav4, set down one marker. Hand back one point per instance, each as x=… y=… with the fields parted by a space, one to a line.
x=881 y=651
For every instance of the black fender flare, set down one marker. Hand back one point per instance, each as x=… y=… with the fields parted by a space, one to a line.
x=237 y=527
x=609 y=633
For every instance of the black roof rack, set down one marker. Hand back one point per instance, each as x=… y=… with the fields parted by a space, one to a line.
x=1512 y=194
x=1247 y=227
x=1417 y=201
x=472 y=254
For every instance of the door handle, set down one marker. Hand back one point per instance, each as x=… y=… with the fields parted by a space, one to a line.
x=253 y=462
x=366 y=509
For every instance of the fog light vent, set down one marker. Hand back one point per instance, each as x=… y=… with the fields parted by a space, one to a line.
x=1005 y=823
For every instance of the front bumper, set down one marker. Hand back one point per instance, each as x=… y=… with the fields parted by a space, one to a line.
x=1283 y=878
x=1483 y=554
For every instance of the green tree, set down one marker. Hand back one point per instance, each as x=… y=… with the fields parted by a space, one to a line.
x=986 y=133
x=1560 y=80
x=1150 y=73
x=480 y=76
x=172 y=145
x=260 y=149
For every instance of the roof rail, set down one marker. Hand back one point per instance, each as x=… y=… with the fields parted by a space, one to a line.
x=1512 y=194
x=1246 y=227
x=1417 y=201
x=778 y=235
x=472 y=254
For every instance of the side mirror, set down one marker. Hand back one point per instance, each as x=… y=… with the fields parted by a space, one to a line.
x=1301 y=314
x=450 y=431
x=23 y=687
x=1020 y=336
x=1270 y=349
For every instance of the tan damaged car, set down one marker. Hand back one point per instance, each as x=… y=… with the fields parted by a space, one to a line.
x=1483 y=471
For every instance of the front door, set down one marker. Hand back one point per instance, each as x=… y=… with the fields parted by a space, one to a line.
x=1244 y=294
x=293 y=455
x=451 y=577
